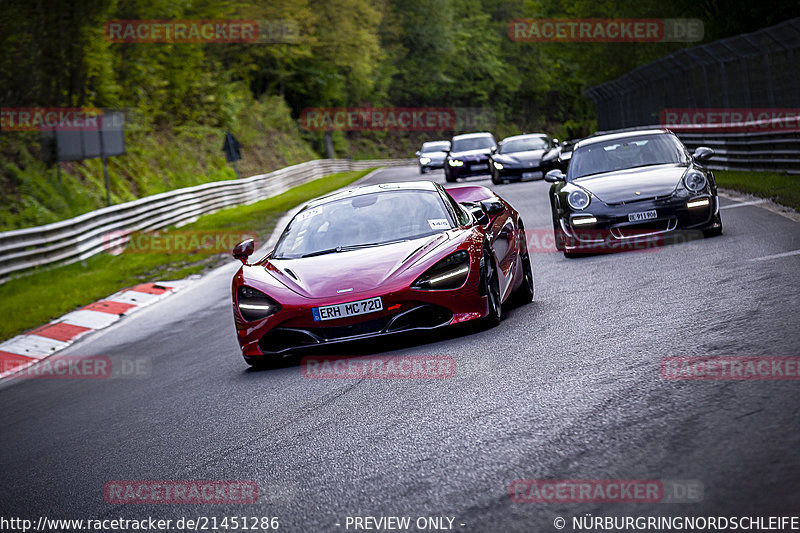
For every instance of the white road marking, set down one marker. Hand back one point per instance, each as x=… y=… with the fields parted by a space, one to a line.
x=777 y=256
x=90 y=319
x=740 y=204
x=33 y=346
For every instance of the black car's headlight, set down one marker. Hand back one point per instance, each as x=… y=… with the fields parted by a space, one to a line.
x=449 y=273
x=254 y=304
x=695 y=181
x=455 y=163
x=578 y=200
x=498 y=165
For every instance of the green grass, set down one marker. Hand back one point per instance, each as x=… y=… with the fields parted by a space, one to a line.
x=157 y=160
x=34 y=299
x=783 y=189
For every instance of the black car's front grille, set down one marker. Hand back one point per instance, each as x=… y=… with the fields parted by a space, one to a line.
x=629 y=231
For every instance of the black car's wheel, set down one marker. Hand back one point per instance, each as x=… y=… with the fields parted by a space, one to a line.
x=448 y=177
x=422 y=170
x=496 y=178
x=492 y=289
x=715 y=231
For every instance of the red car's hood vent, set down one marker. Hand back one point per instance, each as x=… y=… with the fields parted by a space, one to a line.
x=352 y=272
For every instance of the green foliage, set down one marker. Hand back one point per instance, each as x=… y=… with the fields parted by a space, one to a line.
x=44 y=296
x=181 y=98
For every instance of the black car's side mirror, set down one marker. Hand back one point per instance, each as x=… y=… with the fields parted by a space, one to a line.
x=554 y=176
x=703 y=154
x=493 y=150
x=243 y=250
x=493 y=207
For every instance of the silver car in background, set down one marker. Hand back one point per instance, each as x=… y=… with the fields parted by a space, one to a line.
x=431 y=155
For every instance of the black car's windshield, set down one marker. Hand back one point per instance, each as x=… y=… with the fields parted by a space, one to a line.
x=522 y=145
x=473 y=143
x=621 y=154
x=369 y=219
x=435 y=147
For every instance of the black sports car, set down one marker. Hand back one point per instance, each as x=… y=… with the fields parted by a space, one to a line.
x=468 y=156
x=558 y=157
x=520 y=157
x=632 y=187
x=431 y=155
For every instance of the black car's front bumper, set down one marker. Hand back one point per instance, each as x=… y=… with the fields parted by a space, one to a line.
x=518 y=173
x=468 y=169
x=676 y=218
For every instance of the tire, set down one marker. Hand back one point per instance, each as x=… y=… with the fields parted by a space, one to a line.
x=448 y=177
x=496 y=179
x=571 y=255
x=714 y=232
x=492 y=281
x=422 y=170
x=524 y=294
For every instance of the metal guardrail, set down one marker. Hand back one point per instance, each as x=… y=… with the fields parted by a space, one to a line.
x=757 y=151
x=760 y=152
x=86 y=235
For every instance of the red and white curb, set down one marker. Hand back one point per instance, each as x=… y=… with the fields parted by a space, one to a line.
x=22 y=351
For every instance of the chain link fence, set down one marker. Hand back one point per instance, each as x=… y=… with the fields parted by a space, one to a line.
x=754 y=70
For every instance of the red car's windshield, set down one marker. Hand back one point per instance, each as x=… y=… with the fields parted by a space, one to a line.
x=366 y=220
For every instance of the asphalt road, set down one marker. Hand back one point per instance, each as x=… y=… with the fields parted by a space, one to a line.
x=567 y=387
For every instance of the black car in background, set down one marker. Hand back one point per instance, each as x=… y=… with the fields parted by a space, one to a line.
x=469 y=155
x=520 y=157
x=631 y=187
x=432 y=154
x=558 y=157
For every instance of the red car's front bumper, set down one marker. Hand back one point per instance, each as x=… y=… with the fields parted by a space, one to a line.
x=404 y=309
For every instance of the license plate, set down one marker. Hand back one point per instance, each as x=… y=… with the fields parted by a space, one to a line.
x=361 y=307
x=642 y=215
x=479 y=167
x=526 y=175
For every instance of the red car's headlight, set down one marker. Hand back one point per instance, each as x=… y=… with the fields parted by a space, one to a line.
x=449 y=273
x=254 y=304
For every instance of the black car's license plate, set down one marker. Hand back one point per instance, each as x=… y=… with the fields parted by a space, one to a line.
x=642 y=215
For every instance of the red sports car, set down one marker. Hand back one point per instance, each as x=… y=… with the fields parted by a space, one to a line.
x=379 y=260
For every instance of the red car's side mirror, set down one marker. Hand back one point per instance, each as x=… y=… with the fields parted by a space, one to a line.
x=244 y=249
